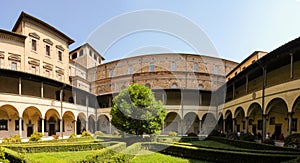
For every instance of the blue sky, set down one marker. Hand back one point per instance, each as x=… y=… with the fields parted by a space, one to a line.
x=235 y=28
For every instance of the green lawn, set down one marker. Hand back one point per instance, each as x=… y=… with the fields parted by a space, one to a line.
x=146 y=156
x=210 y=143
x=57 y=157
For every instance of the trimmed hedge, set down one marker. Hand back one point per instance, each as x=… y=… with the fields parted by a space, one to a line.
x=13 y=156
x=127 y=154
x=55 y=147
x=250 y=145
x=218 y=155
x=104 y=154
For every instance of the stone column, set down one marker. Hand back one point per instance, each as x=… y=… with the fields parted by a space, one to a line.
x=20 y=127
x=290 y=117
x=20 y=86
x=233 y=125
x=247 y=124
x=200 y=126
x=224 y=126
x=75 y=127
x=264 y=127
x=61 y=128
x=292 y=66
x=43 y=128
x=42 y=90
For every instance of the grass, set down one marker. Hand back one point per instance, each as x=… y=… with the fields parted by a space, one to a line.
x=146 y=156
x=59 y=157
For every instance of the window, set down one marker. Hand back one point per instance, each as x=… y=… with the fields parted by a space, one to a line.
x=195 y=67
x=111 y=73
x=3 y=125
x=74 y=56
x=130 y=70
x=81 y=52
x=151 y=67
x=200 y=87
x=48 y=73
x=33 y=69
x=174 y=85
x=33 y=44
x=91 y=52
x=14 y=66
x=47 y=50
x=173 y=66
x=59 y=55
x=95 y=57
x=17 y=125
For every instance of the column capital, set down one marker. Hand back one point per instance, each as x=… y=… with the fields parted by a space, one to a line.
x=247 y=117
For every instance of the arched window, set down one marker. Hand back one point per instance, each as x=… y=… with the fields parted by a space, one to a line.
x=174 y=85
x=195 y=67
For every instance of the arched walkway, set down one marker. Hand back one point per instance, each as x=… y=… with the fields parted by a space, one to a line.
x=80 y=123
x=9 y=121
x=191 y=123
x=255 y=123
x=68 y=123
x=277 y=118
x=295 y=127
x=103 y=124
x=209 y=123
x=32 y=119
x=172 y=123
x=228 y=121
x=52 y=122
x=240 y=120
x=92 y=121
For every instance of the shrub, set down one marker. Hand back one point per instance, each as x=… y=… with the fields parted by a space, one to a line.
x=99 y=133
x=2 y=156
x=269 y=141
x=36 y=136
x=247 y=137
x=116 y=133
x=232 y=136
x=172 y=133
x=292 y=140
x=72 y=136
x=85 y=134
x=5 y=140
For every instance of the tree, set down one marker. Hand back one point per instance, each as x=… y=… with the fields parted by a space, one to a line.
x=136 y=111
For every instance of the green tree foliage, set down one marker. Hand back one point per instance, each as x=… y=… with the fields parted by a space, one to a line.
x=136 y=111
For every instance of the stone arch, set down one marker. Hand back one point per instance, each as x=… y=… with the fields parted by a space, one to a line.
x=277 y=117
x=254 y=116
x=104 y=124
x=219 y=126
x=92 y=122
x=228 y=121
x=172 y=122
x=32 y=118
x=209 y=122
x=81 y=123
x=52 y=119
x=68 y=122
x=239 y=117
x=191 y=123
x=9 y=117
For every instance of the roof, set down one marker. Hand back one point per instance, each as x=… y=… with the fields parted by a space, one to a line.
x=245 y=60
x=87 y=44
x=272 y=56
x=12 y=34
x=25 y=15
